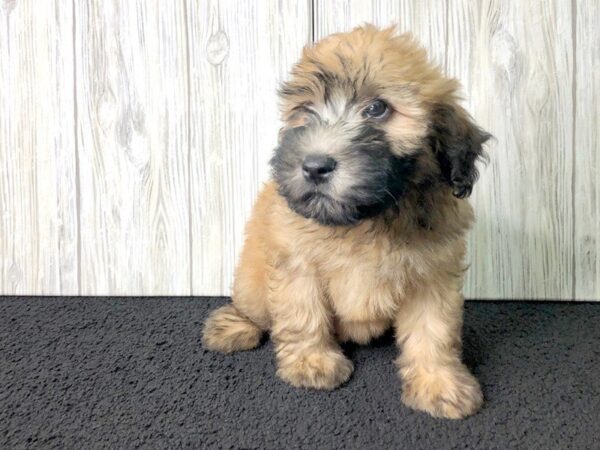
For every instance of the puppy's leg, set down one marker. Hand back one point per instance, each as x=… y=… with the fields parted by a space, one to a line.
x=307 y=353
x=240 y=326
x=428 y=329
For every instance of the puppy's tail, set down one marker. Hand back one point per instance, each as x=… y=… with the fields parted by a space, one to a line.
x=227 y=330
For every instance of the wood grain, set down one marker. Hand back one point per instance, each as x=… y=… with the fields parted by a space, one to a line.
x=38 y=208
x=515 y=59
x=236 y=66
x=131 y=86
x=586 y=197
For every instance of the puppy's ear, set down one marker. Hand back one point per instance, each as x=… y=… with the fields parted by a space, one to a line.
x=458 y=144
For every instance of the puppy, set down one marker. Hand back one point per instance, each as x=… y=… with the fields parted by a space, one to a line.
x=363 y=225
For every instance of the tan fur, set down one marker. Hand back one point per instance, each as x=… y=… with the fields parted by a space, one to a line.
x=313 y=286
x=228 y=331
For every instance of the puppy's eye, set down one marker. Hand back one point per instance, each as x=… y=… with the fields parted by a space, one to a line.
x=377 y=110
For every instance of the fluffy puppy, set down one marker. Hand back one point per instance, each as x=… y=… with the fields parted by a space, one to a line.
x=363 y=226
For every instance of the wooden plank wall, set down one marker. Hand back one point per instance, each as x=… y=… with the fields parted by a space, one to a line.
x=131 y=88
x=134 y=136
x=586 y=193
x=235 y=65
x=38 y=171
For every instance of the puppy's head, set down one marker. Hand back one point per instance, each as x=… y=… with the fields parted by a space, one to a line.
x=367 y=118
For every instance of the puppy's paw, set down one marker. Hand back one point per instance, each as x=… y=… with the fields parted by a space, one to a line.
x=320 y=369
x=448 y=392
x=226 y=330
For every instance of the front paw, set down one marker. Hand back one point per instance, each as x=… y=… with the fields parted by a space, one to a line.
x=319 y=369
x=445 y=391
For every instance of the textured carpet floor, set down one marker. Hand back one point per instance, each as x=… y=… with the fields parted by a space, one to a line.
x=124 y=373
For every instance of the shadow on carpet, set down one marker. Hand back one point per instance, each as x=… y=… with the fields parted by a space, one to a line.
x=123 y=373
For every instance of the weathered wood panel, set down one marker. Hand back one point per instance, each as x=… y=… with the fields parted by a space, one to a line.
x=132 y=103
x=515 y=59
x=134 y=136
x=586 y=197
x=239 y=52
x=38 y=208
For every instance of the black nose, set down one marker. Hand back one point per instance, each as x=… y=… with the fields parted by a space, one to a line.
x=318 y=168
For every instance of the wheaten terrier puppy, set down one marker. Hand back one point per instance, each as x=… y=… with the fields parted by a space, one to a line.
x=363 y=226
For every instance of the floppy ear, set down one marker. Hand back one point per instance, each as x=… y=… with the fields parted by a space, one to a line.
x=458 y=144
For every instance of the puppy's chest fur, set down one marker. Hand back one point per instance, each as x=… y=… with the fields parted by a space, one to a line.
x=366 y=275
x=368 y=269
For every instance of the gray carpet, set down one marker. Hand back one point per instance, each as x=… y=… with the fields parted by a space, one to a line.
x=126 y=373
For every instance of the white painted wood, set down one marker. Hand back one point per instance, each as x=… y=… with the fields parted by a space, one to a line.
x=239 y=52
x=516 y=61
x=132 y=91
x=135 y=135
x=587 y=151
x=38 y=211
